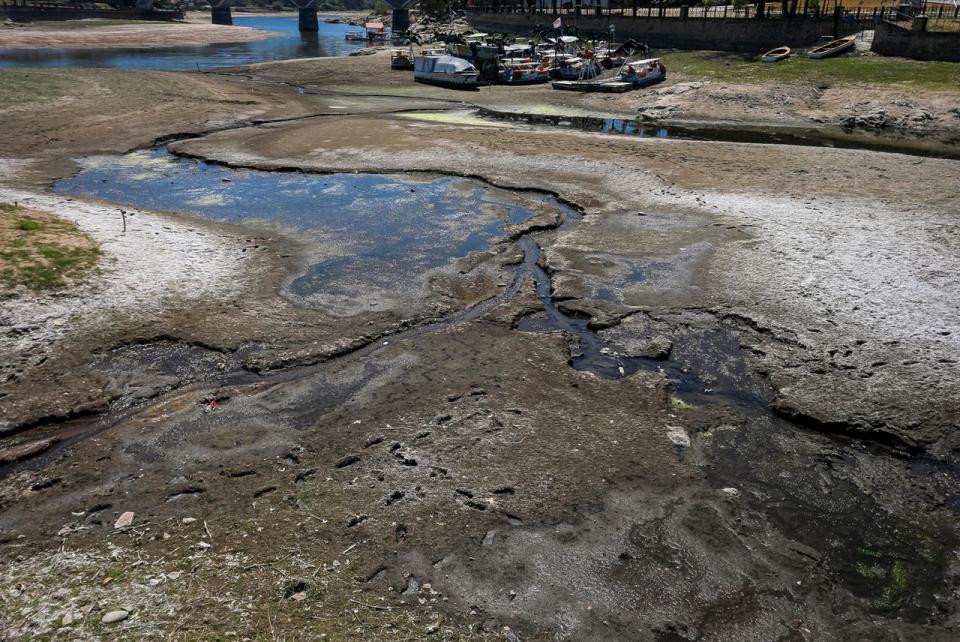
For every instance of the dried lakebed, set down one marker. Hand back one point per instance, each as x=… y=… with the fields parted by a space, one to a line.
x=785 y=532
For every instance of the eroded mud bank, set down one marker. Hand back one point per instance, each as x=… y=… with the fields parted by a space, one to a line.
x=462 y=476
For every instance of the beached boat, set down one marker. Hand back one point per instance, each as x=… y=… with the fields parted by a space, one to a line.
x=524 y=72
x=575 y=68
x=833 y=48
x=355 y=35
x=446 y=71
x=401 y=59
x=776 y=55
x=632 y=75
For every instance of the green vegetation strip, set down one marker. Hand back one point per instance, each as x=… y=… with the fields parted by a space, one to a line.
x=41 y=252
x=872 y=70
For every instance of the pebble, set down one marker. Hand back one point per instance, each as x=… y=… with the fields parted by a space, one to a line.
x=115 y=616
x=733 y=492
x=125 y=520
x=678 y=436
x=188 y=520
x=174 y=575
x=67 y=620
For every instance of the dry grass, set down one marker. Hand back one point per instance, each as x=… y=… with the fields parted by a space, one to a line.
x=39 y=251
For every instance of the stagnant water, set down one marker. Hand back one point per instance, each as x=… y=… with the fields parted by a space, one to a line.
x=367 y=233
x=288 y=44
x=813 y=137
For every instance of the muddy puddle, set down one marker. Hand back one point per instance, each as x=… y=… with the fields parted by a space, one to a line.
x=812 y=137
x=366 y=236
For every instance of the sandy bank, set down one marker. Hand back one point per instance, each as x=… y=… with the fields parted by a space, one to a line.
x=149 y=35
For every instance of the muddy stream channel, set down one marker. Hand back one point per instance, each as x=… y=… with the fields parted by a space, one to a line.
x=847 y=502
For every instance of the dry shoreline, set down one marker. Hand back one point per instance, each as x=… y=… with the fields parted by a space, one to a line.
x=466 y=482
x=134 y=36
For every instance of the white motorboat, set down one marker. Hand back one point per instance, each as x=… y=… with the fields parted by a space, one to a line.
x=446 y=71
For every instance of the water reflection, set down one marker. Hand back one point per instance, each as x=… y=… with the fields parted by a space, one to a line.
x=328 y=41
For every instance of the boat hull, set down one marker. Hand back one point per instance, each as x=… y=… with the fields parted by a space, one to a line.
x=776 y=55
x=828 y=51
x=450 y=81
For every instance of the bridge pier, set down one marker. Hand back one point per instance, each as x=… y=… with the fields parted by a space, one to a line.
x=221 y=15
x=401 y=20
x=308 y=19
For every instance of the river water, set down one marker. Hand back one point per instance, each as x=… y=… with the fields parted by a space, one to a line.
x=289 y=44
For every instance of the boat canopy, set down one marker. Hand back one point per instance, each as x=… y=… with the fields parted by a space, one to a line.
x=648 y=61
x=442 y=64
x=516 y=47
x=471 y=36
x=374 y=26
x=564 y=39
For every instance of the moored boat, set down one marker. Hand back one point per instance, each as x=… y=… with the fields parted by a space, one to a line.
x=833 y=48
x=776 y=55
x=524 y=73
x=355 y=35
x=633 y=75
x=401 y=59
x=445 y=71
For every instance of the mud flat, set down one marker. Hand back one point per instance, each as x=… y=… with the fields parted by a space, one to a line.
x=147 y=35
x=705 y=391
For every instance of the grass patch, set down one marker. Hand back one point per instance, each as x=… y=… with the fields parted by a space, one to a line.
x=28 y=225
x=869 y=70
x=41 y=252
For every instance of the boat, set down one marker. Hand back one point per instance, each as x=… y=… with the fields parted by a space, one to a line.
x=376 y=33
x=446 y=71
x=833 y=48
x=776 y=55
x=632 y=75
x=575 y=68
x=355 y=35
x=524 y=72
x=401 y=59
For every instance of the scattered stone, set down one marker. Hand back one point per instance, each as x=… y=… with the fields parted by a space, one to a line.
x=67 y=620
x=876 y=118
x=678 y=436
x=174 y=575
x=347 y=460
x=373 y=441
x=124 y=520
x=733 y=492
x=25 y=451
x=188 y=520
x=115 y=616
x=356 y=519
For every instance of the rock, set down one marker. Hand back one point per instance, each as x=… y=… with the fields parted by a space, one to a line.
x=67 y=620
x=733 y=492
x=678 y=436
x=876 y=118
x=347 y=460
x=124 y=520
x=174 y=575
x=25 y=451
x=188 y=520
x=115 y=616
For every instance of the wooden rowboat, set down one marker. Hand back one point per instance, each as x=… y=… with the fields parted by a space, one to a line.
x=833 y=48
x=776 y=55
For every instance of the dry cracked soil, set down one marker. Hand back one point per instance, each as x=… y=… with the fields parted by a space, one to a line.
x=707 y=391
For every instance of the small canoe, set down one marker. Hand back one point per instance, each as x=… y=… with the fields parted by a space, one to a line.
x=833 y=48
x=776 y=55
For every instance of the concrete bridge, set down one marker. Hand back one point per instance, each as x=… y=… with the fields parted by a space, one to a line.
x=221 y=14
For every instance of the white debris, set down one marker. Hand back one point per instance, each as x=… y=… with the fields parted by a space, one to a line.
x=124 y=520
x=678 y=436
